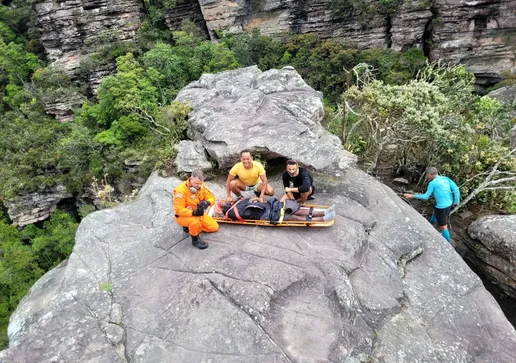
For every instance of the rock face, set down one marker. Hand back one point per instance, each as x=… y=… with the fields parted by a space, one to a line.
x=190 y=156
x=481 y=34
x=34 y=207
x=71 y=29
x=380 y=285
x=495 y=249
x=274 y=112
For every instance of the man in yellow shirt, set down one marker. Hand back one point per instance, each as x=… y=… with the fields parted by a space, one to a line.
x=191 y=199
x=251 y=176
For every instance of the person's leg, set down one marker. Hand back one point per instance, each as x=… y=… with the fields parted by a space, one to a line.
x=269 y=191
x=441 y=216
x=237 y=186
x=194 y=228
x=320 y=217
x=304 y=196
x=208 y=224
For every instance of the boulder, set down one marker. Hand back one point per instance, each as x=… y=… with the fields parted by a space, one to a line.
x=495 y=249
x=37 y=206
x=380 y=285
x=273 y=112
x=190 y=156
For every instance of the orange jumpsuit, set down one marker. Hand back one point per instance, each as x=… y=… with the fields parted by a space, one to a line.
x=185 y=202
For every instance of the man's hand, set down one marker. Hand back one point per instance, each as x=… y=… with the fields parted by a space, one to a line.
x=408 y=196
x=198 y=212
x=453 y=207
x=203 y=205
x=288 y=190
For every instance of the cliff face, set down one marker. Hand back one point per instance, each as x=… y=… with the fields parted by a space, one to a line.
x=71 y=29
x=479 y=33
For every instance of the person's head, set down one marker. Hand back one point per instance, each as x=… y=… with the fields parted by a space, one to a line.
x=246 y=158
x=196 y=180
x=431 y=173
x=221 y=208
x=292 y=167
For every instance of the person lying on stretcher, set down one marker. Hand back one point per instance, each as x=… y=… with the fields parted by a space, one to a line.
x=252 y=209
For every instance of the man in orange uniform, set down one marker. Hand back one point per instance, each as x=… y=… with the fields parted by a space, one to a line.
x=191 y=199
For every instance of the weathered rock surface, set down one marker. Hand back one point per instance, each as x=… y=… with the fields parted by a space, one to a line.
x=480 y=34
x=380 y=285
x=34 y=207
x=274 y=112
x=71 y=29
x=190 y=156
x=495 y=249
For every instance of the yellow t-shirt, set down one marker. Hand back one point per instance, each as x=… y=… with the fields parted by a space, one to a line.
x=248 y=177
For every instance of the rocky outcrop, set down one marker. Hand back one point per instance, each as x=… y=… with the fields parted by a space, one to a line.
x=378 y=285
x=34 y=207
x=495 y=249
x=71 y=29
x=190 y=156
x=479 y=34
x=273 y=112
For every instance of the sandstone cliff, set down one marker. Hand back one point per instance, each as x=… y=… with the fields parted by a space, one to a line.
x=479 y=33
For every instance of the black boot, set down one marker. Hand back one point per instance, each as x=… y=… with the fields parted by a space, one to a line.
x=199 y=243
x=185 y=229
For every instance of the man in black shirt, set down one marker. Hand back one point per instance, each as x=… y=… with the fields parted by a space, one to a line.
x=298 y=183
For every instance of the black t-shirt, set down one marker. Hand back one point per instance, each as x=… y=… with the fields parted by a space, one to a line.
x=302 y=181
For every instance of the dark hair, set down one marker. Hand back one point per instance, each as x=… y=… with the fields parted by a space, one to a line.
x=245 y=151
x=291 y=162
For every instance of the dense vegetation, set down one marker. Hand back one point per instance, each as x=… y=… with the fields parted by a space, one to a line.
x=430 y=113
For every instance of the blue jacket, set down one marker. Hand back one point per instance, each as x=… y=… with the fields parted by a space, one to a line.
x=442 y=188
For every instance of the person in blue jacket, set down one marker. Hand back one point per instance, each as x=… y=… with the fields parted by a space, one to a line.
x=447 y=196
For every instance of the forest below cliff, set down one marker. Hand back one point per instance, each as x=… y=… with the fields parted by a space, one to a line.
x=120 y=132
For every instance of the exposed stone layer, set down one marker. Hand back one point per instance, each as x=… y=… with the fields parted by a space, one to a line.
x=273 y=112
x=378 y=285
x=494 y=249
x=34 y=207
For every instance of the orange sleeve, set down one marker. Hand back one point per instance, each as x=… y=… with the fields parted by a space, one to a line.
x=180 y=203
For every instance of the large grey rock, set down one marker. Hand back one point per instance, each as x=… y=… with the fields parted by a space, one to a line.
x=274 y=112
x=495 y=249
x=380 y=285
x=37 y=206
x=190 y=156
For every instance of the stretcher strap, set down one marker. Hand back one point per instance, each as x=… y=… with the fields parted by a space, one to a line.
x=310 y=214
x=282 y=212
x=236 y=212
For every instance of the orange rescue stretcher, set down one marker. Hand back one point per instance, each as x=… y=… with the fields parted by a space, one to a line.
x=284 y=223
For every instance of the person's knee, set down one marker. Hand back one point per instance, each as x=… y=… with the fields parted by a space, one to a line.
x=269 y=191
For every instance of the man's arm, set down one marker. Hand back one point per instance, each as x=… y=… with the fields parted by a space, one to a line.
x=180 y=205
x=228 y=181
x=428 y=193
x=263 y=178
x=456 y=192
x=425 y=196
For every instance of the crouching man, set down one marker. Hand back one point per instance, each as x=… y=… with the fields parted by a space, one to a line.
x=191 y=199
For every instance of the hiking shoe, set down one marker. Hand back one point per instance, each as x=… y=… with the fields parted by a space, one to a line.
x=328 y=217
x=199 y=243
x=310 y=197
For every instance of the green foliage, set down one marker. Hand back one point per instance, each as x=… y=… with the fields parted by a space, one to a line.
x=434 y=120
x=26 y=255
